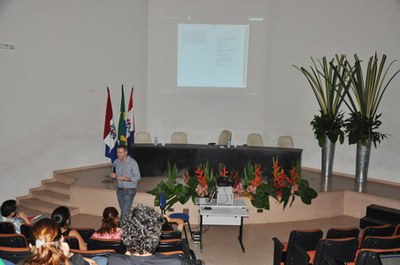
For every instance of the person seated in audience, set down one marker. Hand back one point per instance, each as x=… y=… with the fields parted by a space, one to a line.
x=141 y=230
x=49 y=247
x=9 y=213
x=62 y=216
x=109 y=225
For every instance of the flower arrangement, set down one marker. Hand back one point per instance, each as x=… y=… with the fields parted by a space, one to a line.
x=255 y=185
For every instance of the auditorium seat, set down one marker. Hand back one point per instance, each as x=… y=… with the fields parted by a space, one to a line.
x=379 y=230
x=306 y=239
x=85 y=233
x=397 y=230
x=15 y=255
x=343 y=232
x=179 y=138
x=254 y=139
x=94 y=253
x=379 y=242
x=96 y=244
x=343 y=249
x=7 y=228
x=72 y=242
x=224 y=137
x=13 y=240
x=285 y=141
x=26 y=230
x=143 y=138
x=370 y=256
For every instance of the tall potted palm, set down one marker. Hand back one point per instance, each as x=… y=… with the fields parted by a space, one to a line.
x=363 y=99
x=325 y=81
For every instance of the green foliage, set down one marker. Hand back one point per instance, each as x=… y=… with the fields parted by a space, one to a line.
x=325 y=81
x=364 y=98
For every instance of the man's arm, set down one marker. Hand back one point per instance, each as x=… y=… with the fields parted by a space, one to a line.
x=24 y=217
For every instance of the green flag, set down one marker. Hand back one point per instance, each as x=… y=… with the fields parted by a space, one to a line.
x=122 y=121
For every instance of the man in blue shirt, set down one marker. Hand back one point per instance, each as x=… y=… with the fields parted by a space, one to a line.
x=127 y=175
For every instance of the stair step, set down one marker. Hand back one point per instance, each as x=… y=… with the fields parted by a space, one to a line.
x=43 y=206
x=51 y=196
x=59 y=177
x=390 y=215
x=58 y=187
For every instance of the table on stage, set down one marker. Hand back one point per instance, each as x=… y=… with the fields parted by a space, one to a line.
x=226 y=215
x=153 y=159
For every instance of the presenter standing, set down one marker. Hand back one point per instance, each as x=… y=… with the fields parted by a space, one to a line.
x=126 y=172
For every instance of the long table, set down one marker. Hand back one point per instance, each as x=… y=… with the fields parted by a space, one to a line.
x=153 y=159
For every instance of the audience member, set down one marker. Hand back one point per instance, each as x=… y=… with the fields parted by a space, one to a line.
x=141 y=230
x=109 y=225
x=49 y=248
x=62 y=216
x=9 y=213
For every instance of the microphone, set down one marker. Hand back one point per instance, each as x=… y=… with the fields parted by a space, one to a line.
x=114 y=170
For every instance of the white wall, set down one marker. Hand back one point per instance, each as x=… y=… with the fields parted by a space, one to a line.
x=53 y=85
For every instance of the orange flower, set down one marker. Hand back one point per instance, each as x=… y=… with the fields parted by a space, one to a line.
x=201 y=177
x=257 y=177
x=223 y=172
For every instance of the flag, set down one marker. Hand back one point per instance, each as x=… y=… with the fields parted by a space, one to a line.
x=130 y=121
x=109 y=135
x=122 y=122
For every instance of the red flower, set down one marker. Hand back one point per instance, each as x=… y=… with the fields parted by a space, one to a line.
x=223 y=172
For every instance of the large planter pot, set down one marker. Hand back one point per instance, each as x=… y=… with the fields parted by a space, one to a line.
x=362 y=162
x=328 y=154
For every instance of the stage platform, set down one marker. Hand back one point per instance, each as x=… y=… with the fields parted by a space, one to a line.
x=88 y=190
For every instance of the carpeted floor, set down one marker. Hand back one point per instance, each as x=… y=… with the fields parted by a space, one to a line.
x=222 y=247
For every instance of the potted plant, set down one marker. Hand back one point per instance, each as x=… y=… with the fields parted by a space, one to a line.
x=363 y=99
x=325 y=81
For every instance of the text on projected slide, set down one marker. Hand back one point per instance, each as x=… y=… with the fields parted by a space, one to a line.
x=212 y=55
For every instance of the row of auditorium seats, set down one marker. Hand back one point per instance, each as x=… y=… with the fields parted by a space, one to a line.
x=253 y=139
x=340 y=244
x=15 y=247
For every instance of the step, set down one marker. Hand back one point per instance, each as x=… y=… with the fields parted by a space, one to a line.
x=43 y=206
x=391 y=215
x=58 y=187
x=60 y=177
x=51 y=196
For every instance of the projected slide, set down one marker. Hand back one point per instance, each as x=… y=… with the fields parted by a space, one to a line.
x=212 y=55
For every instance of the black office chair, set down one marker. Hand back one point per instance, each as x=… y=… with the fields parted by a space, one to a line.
x=7 y=228
x=14 y=255
x=13 y=241
x=26 y=230
x=343 y=249
x=305 y=239
x=378 y=242
x=72 y=242
x=85 y=233
x=335 y=233
x=117 y=245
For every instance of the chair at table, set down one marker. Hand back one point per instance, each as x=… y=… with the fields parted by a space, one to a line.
x=343 y=249
x=85 y=233
x=72 y=242
x=179 y=138
x=285 y=141
x=343 y=233
x=379 y=230
x=13 y=240
x=224 y=137
x=96 y=244
x=254 y=139
x=26 y=230
x=143 y=138
x=15 y=255
x=379 y=242
x=305 y=239
x=7 y=228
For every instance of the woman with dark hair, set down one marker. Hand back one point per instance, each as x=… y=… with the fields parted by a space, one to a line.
x=109 y=225
x=62 y=216
x=49 y=248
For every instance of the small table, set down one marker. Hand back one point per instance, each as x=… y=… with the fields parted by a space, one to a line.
x=229 y=215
